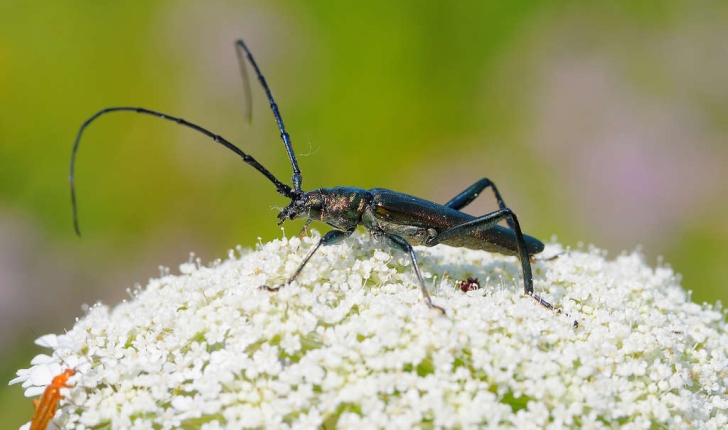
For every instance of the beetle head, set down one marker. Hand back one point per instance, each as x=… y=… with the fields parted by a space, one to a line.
x=303 y=205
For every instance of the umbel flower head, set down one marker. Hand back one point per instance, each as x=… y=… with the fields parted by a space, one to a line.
x=350 y=344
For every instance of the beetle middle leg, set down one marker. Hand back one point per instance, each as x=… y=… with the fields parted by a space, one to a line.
x=336 y=236
x=398 y=242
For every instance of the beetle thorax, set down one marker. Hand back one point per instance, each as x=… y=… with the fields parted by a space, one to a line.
x=343 y=206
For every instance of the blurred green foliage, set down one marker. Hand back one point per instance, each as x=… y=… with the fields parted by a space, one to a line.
x=422 y=97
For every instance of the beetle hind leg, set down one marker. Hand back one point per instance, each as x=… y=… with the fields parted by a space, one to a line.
x=472 y=192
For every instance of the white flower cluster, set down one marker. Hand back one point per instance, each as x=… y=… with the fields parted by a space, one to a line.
x=352 y=345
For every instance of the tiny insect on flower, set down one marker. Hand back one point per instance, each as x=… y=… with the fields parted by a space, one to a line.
x=470 y=284
x=46 y=407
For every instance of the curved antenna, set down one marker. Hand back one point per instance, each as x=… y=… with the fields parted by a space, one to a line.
x=280 y=187
x=296 y=179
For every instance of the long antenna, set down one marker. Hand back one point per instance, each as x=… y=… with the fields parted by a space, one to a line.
x=296 y=179
x=280 y=187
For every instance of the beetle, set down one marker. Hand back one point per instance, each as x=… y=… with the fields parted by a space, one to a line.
x=397 y=219
x=47 y=405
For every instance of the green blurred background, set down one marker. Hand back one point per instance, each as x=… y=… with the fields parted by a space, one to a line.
x=601 y=123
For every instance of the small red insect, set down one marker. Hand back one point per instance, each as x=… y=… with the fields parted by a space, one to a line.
x=469 y=285
x=46 y=407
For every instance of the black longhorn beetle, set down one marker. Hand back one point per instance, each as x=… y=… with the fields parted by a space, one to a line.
x=398 y=219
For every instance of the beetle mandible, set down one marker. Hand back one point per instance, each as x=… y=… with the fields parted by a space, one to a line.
x=397 y=219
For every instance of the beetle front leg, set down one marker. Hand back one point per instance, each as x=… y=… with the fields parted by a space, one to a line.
x=472 y=192
x=398 y=242
x=330 y=238
x=304 y=230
